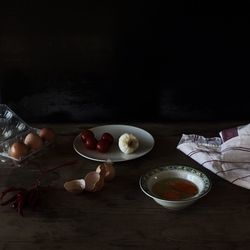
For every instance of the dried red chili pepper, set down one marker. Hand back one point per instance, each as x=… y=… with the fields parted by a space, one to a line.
x=20 y=202
x=10 y=189
x=30 y=197
x=12 y=198
x=8 y=201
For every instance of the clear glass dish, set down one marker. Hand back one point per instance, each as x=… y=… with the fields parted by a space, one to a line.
x=11 y=125
x=14 y=129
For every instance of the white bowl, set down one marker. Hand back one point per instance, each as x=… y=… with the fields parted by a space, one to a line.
x=201 y=181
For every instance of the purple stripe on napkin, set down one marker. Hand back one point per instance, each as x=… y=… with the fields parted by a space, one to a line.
x=229 y=133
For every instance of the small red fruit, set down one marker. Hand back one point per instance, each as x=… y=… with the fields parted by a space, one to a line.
x=90 y=143
x=102 y=146
x=108 y=137
x=87 y=134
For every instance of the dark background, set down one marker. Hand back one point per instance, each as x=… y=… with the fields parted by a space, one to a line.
x=107 y=61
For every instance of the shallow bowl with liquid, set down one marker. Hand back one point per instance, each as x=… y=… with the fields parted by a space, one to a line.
x=175 y=187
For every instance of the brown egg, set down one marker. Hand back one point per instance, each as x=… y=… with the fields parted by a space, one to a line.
x=47 y=134
x=18 y=150
x=33 y=141
x=93 y=181
x=107 y=170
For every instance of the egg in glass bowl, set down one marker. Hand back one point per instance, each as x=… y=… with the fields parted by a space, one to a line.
x=175 y=187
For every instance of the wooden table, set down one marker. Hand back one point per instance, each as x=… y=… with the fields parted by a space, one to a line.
x=121 y=216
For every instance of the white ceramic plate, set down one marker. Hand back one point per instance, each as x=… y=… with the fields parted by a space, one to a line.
x=146 y=143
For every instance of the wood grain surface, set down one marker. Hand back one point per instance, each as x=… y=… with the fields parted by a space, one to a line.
x=121 y=216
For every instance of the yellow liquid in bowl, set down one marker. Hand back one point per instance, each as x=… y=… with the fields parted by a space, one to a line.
x=174 y=189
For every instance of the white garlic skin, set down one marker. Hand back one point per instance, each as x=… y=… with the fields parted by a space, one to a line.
x=128 y=143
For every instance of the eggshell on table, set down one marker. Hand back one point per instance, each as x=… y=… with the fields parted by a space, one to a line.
x=107 y=170
x=94 y=181
x=75 y=186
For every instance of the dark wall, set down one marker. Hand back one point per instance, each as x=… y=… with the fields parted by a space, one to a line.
x=108 y=61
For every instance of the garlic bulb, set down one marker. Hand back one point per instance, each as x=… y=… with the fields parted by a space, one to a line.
x=128 y=143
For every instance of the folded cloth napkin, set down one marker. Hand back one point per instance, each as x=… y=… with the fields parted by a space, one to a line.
x=228 y=156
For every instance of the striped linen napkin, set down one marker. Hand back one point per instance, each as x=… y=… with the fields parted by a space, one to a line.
x=228 y=156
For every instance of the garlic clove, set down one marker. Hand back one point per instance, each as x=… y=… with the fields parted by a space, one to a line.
x=75 y=186
x=107 y=170
x=128 y=143
x=94 y=181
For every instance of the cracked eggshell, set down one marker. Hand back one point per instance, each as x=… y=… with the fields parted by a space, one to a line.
x=75 y=186
x=107 y=170
x=94 y=181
